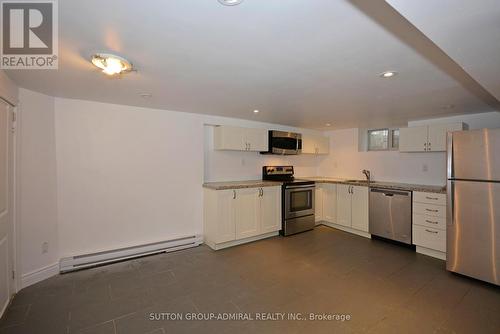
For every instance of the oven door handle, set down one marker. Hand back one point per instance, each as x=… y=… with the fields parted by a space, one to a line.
x=302 y=186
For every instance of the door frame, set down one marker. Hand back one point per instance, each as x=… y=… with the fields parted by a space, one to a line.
x=14 y=285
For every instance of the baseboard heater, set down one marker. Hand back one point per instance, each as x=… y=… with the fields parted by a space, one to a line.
x=90 y=260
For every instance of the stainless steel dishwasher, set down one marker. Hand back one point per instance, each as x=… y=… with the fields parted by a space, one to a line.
x=390 y=214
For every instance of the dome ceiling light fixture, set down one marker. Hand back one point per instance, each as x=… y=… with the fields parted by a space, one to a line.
x=230 y=2
x=388 y=74
x=111 y=64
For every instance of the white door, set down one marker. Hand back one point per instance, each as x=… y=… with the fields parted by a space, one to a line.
x=270 y=209
x=413 y=139
x=359 y=216
x=437 y=135
x=226 y=224
x=344 y=200
x=6 y=226
x=318 y=203
x=247 y=213
x=257 y=139
x=330 y=202
x=229 y=138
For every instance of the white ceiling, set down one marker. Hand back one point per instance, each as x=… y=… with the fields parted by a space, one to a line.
x=468 y=31
x=300 y=62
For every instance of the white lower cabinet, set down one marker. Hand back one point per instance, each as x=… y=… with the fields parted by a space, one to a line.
x=359 y=214
x=429 y=224
x=237 y=216
x=343 y=206
x=318 y=202
x=247 y=212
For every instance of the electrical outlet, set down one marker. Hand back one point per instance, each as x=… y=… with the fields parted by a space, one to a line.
x=45 y=247
x=425 y=168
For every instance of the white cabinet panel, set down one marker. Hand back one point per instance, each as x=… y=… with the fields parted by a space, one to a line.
x=318 y=203
x=257 y=139
x=323 y=145
x=330 y=202
x=313 y=144
x=429 y=198
x=437 y=135
x=240 y=139
x=229 y=138
x=429 y=237
x=225 y=229
x=247 y=213
x=413 y=139
x=359 y=214
x=344 y=202
x=429 y=209
x=270 y=212
x=429 y=221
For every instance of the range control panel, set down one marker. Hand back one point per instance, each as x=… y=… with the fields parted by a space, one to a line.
x=277 y=170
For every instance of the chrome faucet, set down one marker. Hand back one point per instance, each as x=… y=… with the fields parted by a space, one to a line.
x=367 y=174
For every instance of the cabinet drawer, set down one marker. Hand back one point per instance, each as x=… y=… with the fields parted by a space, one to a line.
x=429 y=209
x=429 y=237
x=429 y=198
x=429 y=221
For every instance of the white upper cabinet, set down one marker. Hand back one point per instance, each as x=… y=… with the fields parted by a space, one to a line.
x=240 y=139
x=428 y=138
x=413 y=139
x=312 y=144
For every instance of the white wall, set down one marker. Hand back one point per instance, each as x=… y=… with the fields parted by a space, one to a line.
x=37 y=201
x=129 y=175
x=345 y=161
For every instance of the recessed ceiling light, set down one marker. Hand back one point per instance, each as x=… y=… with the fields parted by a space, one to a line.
x=230 y=2
x=145 y=95
x=111 y=64
x=388 y=74
x=328 y=124
x=256 y=111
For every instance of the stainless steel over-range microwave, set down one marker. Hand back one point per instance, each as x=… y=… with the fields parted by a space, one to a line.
x=285 y=143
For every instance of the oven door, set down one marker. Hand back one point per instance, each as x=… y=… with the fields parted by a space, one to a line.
x=299 y=201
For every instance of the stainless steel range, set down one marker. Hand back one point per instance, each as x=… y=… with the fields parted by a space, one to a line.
x=297 y=199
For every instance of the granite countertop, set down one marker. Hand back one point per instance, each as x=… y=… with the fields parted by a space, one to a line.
x=317 y=179
x=387 y=185
x=240 y=184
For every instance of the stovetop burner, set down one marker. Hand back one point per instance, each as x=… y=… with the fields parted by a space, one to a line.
x=283 y=174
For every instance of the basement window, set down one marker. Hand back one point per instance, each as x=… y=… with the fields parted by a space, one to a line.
x=383 y=139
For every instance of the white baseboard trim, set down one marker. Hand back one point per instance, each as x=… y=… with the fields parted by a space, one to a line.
x=223 y=245
x=431 y=252
x=39 y=275
x=347 y=229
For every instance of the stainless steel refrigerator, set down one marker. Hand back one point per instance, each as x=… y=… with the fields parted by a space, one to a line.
x=473 y=217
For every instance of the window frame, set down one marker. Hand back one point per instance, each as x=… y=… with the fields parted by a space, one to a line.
x=390 y=144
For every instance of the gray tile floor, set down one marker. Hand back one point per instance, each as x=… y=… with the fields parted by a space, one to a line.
x=384 y=288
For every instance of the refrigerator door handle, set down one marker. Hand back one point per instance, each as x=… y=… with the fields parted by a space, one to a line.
x=449 y=153
x=451 y=205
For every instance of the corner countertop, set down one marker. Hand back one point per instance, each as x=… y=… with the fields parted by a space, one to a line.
x=376 y=184
x=240 y=184
x=318 y=179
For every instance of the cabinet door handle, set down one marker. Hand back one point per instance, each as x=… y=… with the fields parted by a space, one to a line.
x=234 y=194
x=249 y=146
x=431 y=222
x=433 y=198
x=435 y=232
x=431 y=210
